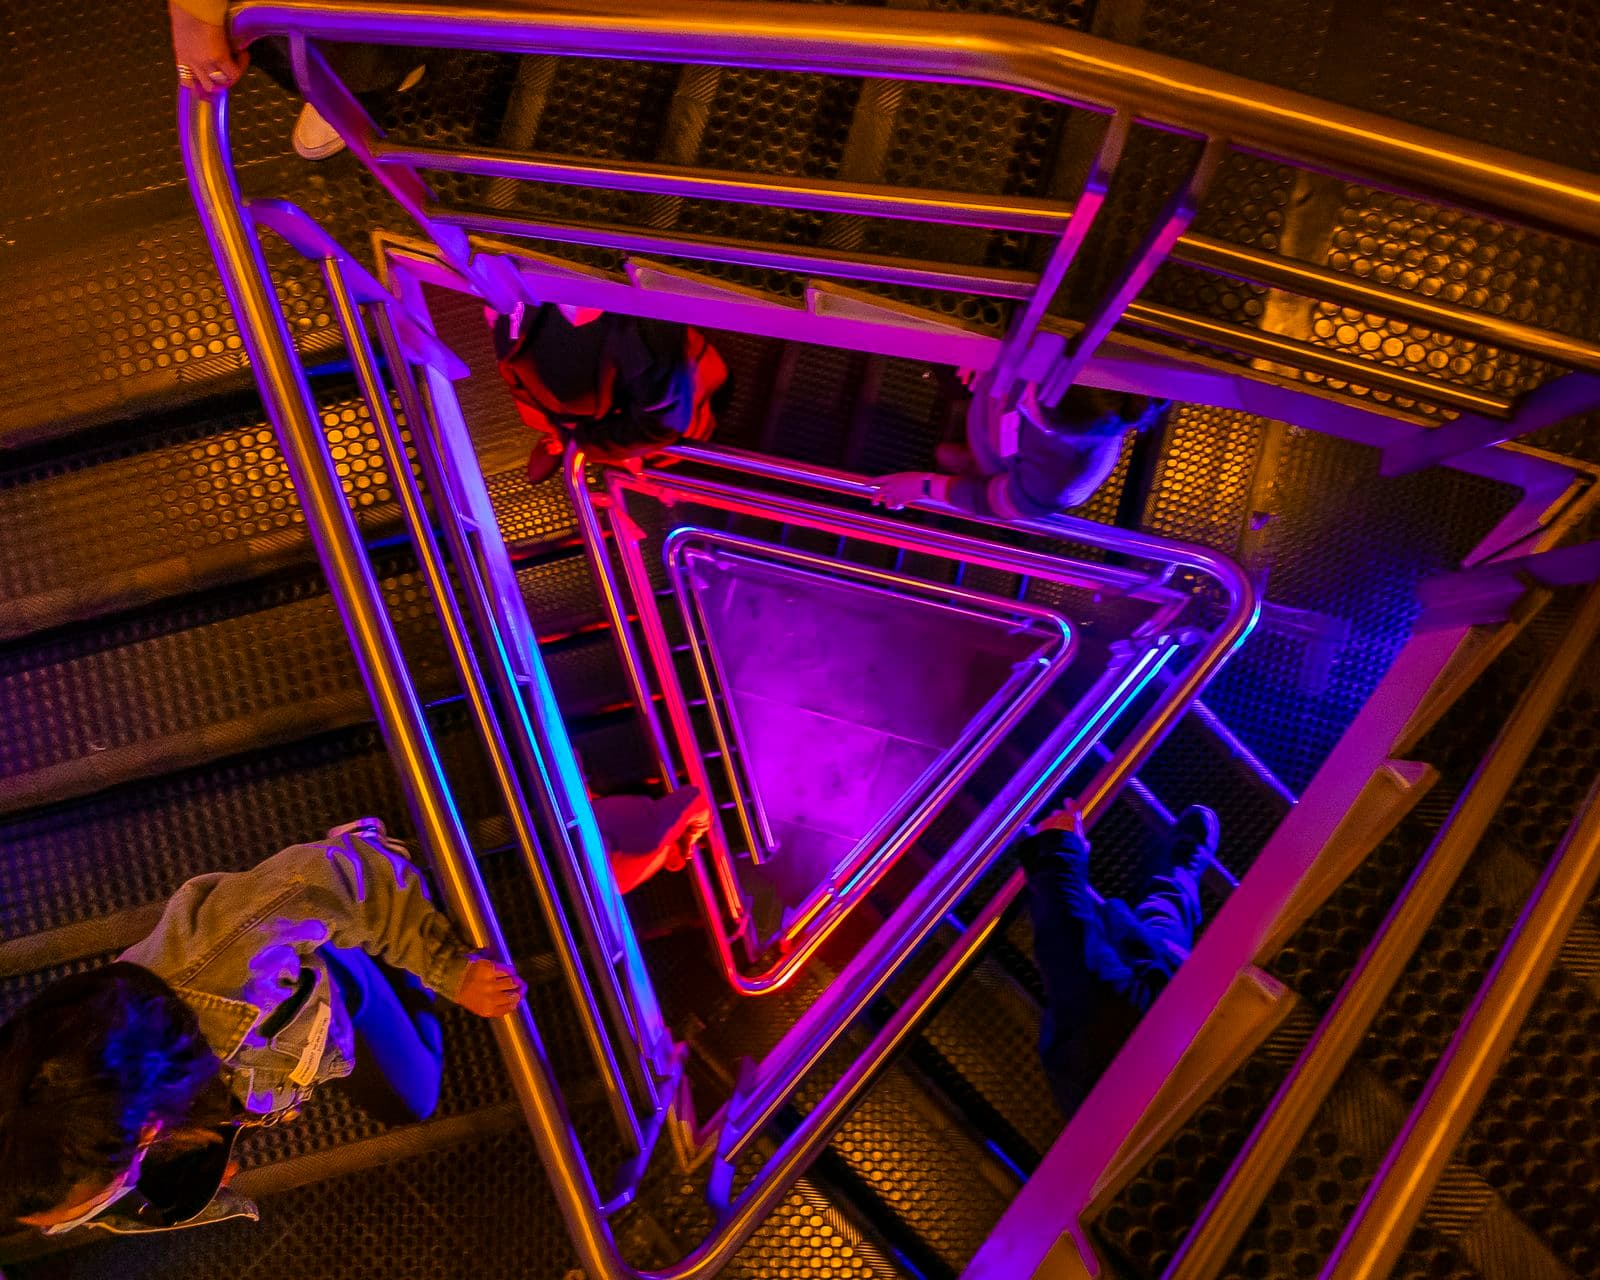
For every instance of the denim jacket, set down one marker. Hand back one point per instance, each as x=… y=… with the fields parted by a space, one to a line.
x=241 y=949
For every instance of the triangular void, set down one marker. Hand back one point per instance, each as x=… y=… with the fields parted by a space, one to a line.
x=847 y=699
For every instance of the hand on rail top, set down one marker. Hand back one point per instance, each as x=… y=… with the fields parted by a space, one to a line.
x=490 y=989
x=1067 y=818
x=901 y=488
x=202 y=48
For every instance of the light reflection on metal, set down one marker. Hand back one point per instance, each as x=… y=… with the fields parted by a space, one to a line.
x=521 y=694
x=1061 y=65
x=810 y=921
x=452 y=623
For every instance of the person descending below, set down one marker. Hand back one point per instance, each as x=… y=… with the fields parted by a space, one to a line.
x=1104 y=962
x=616 y=386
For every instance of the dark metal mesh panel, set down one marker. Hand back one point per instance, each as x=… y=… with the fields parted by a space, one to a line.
x=769 y=122
x=1516 y=78
x=1345 y=548
x=905 y=420
x=812 y=420
x=1300 y=1222
x=1279 y=43
x=478 y=1211
x=56 y=870
x=72 y=162
x=1144 y=1224
x=1421 y=1014
x=989 y=1035
x=265 y=648
x=1534 y=1140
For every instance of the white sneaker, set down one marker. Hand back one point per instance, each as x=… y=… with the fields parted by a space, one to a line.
x=316 y=139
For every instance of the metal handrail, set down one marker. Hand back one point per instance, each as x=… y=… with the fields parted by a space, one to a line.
x=1001 y=53
x=1225 y=1218
x=1007 y=54
x=1381 y=1226
x=288 y=399
x=676 y=487
x=435 y=573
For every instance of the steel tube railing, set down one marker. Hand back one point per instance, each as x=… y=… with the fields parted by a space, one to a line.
x=1241 y=262
x=1002 y=53
x=1227 y=1215
x=951 y=208
x=1377 y=1234
x=202 y=133
x=869 y=973
x=992 y=282
x=1005 y=54
x=832 y=900
x=1261 y=345
x=541 y=743
x=453 y=625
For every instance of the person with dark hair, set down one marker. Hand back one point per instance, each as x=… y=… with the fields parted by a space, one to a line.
x=616 y=386
x=1104 y=962
x=122 y=1090
x=1035 y=460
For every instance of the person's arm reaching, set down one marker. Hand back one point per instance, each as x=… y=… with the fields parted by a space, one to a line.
x=354 y=889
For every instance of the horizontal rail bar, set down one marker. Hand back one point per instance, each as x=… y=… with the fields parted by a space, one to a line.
x=1378 y=1232
x=1321 y=284
x=1311 y=358
x=955 y=208
x=1003 y=53
x=1565 y=396
x=878 y=268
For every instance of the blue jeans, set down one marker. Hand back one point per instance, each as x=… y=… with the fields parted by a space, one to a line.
x=399 y=1058
x=1102 y=961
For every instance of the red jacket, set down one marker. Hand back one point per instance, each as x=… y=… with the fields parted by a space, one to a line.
x=619 y=387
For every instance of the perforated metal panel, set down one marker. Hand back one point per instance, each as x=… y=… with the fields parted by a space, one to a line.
x=1202 y=485
x=1144 y=1224
x=913 y=1164
x=143 y=502
x=1416 y=247
x=1280 y=43
x=73 y=162
x=1534 y=1139
x=55 y=870
x=1515 y=77
x=1329 y=548
x=989 y=1035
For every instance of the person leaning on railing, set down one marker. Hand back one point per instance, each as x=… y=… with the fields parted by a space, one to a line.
x=123 y=1089
x=209 y=63
x=1031 y=461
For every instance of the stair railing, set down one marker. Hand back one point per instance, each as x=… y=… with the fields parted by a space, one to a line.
x=1124 y=85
